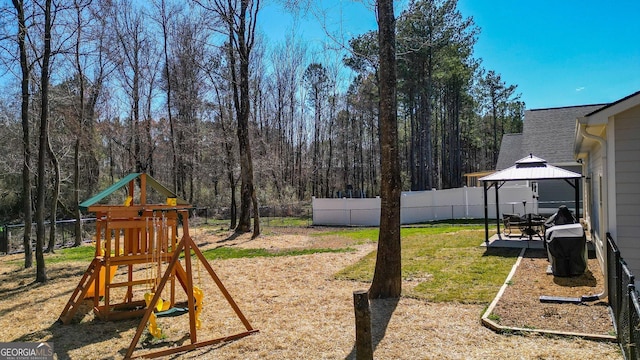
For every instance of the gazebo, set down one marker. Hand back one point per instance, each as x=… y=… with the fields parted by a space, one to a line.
x=527 y=168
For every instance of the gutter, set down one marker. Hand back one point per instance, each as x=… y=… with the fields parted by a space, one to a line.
x=604 y=223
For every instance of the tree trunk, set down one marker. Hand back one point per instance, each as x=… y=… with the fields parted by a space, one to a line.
x=54 y=197
x=414 y=150
x=135 y=116
x=256 y=215
x=247 y=191
x=246 y=177
x=172 y=139
x=82 y=132
x=24 y=114
x=232 y=181
x=234 y=206
x=76 y=194
x=316 y=144
x=92 y=165
x=41 y=274
x=387 y=278
x=329 y=171
x=229 y=160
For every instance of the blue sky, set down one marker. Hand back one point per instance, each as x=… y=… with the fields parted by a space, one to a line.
x=559 y=53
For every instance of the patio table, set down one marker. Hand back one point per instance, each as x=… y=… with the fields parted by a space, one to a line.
x=533 y=224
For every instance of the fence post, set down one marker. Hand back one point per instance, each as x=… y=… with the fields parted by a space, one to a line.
x=364 y=348
x=631 y=346
x=4 y=240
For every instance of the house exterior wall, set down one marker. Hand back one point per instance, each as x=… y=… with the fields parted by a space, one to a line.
x=627 y=184
x=594 y=190
x=595 y=193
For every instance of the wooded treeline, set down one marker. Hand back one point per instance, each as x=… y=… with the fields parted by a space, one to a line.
x=158 y=87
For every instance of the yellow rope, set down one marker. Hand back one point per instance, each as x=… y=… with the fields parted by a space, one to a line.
x=153 y=271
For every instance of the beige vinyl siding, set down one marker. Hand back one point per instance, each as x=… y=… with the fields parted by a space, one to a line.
x=627 y=158
x=595 y=172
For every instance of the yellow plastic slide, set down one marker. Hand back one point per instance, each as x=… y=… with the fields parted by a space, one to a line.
x=103 y=273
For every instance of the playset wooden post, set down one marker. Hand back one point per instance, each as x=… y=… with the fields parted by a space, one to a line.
x=143 y=236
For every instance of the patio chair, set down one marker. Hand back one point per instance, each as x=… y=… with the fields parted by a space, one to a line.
x=533 y=225
x=510 y=222
x=562 y=217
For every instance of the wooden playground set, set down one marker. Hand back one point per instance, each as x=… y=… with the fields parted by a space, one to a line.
x=140 y=242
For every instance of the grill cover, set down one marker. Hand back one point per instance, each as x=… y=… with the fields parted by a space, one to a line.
x=567 y=249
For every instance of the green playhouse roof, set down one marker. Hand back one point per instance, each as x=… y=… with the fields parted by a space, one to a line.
x=124 y=182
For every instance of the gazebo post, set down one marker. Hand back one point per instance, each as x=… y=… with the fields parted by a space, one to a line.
x=497 y=209
x=577 y=191
x=486 y=214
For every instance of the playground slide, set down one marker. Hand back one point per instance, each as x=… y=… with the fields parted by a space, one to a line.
x=91 y=292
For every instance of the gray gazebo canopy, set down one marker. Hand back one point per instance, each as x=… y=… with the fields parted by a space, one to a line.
x=528 y=168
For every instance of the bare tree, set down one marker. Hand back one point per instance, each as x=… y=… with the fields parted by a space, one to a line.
x=186 y=72
x=43 y=141
x=74 y=102
x=315 y=76
x=133 y=53
x=55 y=196
x=239 y=18
x=25 y=67
x=387 y=278
x=164 y=23
x=285 y=82
x=78 y=5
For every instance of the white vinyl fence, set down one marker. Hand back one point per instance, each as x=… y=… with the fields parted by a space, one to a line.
x=423 y=206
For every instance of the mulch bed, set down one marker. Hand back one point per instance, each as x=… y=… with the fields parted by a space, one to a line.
x=520 y=305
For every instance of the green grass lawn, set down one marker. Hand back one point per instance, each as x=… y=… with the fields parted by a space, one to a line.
x=86 y=253
x=357 y=236
x=447 y=263
x=265 y=221
x=80 y=253
x=235 y=253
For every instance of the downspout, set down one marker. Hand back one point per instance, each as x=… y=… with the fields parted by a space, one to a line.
x=604 y=219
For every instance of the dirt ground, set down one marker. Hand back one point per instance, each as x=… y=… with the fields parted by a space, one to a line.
x=301 y=312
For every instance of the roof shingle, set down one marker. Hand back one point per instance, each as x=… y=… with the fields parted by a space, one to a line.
x=510 y=150
x=546 y=133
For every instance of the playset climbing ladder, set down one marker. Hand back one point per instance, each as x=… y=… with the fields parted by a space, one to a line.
x=138 y=237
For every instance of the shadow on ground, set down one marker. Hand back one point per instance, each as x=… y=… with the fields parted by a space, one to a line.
x=586 y=279
x=501 y=252
x=67 y=338
x=381 y=312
